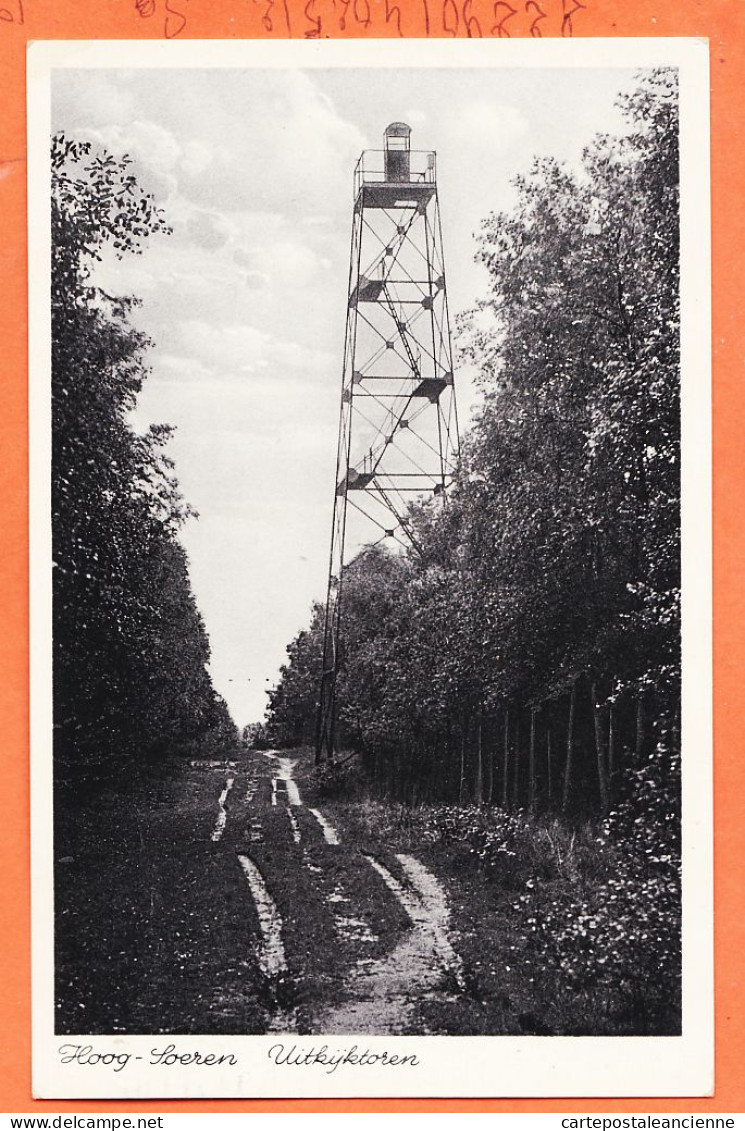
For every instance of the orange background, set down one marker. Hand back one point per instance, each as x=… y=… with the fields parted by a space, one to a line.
x=723 y=22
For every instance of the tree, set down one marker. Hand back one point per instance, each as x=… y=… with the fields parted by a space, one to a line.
x=130 y=649
x=529 y=647
x=293 y=703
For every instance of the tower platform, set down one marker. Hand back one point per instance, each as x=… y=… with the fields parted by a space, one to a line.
x=385 y=194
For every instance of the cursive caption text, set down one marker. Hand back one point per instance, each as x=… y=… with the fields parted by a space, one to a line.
x=323 y=1057
x=90 y=1057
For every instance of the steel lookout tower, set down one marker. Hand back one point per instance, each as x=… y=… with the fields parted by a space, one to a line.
x=398 y=424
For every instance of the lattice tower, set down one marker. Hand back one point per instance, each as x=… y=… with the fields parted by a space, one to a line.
x=398 y=424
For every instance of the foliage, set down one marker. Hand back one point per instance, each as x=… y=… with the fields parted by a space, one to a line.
x=622 y=928
x=540 y=614
x=339 y=780
x=130 y=648
x=293 y=703
x=596 y=911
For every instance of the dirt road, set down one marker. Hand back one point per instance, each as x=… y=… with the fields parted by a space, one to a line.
x=233 y=897
x=347 y=940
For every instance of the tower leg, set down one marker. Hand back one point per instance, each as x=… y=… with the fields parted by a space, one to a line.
x=326 y=726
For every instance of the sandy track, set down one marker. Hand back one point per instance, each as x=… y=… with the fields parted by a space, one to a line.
x=222 y=815
x=380 y=994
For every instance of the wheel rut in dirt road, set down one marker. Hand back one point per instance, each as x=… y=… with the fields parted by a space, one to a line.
x=384 y=995
x=222 y=815
x=372 y=985
x=271 y=952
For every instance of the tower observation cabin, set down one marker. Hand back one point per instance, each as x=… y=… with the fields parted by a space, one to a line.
x=396 y=175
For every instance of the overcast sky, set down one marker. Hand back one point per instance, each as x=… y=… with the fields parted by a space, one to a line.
x=246 y=304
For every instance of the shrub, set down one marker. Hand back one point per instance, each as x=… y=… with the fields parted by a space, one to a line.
x=620 y=929
x=339 y=780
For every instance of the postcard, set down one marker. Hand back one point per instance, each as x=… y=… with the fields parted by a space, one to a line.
x=370 y=568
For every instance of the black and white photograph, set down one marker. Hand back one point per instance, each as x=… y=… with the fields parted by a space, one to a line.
x=370 y=563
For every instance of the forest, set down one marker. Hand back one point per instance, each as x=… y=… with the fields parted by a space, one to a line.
x=129 y=646
x=527 y=652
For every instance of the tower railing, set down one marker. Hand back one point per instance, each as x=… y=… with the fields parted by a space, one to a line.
x=370 y=169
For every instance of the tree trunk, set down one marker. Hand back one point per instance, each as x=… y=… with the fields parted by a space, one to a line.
x=478 y=784
x=462 y=785
x=641 y=729
x=489 y=791
x=599 y=750
x=516 y=766
x=676 y=728
x=506 y=768
x=549 y=773
x=611 y=749
x=447 y=764
x=570 y=749
x=531 y=762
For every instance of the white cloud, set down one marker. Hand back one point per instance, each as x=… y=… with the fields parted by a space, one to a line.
x=255 y=280
x=262 y=136
x=288 y=264
x=208 y=230
x=223 y=351
x=153 y=146
x=196 y=158
x=489 y=125
x=106 y=101
x=222 y=348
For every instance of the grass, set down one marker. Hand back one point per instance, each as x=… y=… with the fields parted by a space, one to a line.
x=156 y=931
x=150 y=929
x=155 y=927
x=544 y=949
